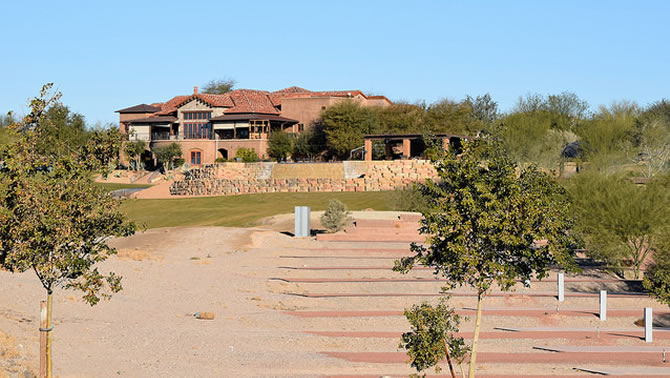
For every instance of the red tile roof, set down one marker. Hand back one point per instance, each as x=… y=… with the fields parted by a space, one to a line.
x=250 y=100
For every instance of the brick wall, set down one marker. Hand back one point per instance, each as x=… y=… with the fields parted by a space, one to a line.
x=240 y=178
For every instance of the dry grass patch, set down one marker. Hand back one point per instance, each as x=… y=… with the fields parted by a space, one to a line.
x=136 y=254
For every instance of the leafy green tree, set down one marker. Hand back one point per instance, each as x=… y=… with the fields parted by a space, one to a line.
x=401 y=118
x=133 y=151
x=452 y=117
x=281 y=145
x=220 y=86
x=565 y=111
x=68 y=132
x=620 y=222
x=167 y=154
x=247 y=155
x=483 y=108
x=345 y=124
x=5 y=122
x=657 y=275
x=608 y=136
x=53 y=219
x=432 y=337
x=651 y=136
x=530 y=139
x=485 y=222
x=336 y=216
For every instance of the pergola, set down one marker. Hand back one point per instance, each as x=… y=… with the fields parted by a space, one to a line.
x=406 y=140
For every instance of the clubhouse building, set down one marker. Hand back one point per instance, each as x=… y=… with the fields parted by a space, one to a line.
x=211 y=126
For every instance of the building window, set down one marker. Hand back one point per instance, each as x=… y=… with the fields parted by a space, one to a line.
x=197 y=130
x=195 y=157
x=301 y=127
x=192 y=116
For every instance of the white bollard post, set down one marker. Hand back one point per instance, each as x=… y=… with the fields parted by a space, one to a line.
x=306 y=232
x=561 y=287
x=648 y=324
x=298 y=222
x=603 y=305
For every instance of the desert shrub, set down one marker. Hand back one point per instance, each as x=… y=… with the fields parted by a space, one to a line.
x=336 y=216
x=408 y=199
x=247 y=155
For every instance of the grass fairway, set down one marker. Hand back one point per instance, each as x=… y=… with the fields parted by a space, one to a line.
x=110 y=186
x=243 y=210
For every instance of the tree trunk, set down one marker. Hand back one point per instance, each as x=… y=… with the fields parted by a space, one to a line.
x=49 y=338
x=446 y=351
x=475 y=338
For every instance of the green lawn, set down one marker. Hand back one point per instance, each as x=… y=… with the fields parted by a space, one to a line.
x=110 y=186
x=243 y=210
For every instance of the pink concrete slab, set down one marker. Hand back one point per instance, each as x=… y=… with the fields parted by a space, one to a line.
x=521 y=312
x=643 y=372
x=592 y=334
x=465 y=294
x=608 y=358
x=418 y=279
x=354 y=257
x=386 y=268
x=605 y=348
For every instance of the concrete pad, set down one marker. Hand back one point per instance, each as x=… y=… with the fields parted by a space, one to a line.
x=464 y=294
x=616 y=359
x=636 y=371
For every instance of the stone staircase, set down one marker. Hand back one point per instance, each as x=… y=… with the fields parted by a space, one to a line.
x=403 y=229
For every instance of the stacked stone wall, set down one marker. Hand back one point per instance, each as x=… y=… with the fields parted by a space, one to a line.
x=227 y=179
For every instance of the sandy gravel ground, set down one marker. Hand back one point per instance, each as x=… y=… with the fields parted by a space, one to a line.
x=149 y=330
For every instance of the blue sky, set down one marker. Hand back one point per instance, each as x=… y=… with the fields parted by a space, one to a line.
x=108 y=55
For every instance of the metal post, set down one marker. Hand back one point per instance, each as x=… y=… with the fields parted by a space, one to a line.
x=648 y=324
x=306 y=232
x=298 y=222
x=561 y=287
x=603 y=305
x=302 y=226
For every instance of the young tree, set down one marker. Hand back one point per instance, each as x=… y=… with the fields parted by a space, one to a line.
x=220 y=86
x=133 y=151
x=485 y=221
x=281 y=145
x=336 y=216
x=620 y=222
x=432 y=337
x=53 y=219
x=167 y=154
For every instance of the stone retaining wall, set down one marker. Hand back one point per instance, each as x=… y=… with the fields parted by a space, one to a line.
x=238 y=178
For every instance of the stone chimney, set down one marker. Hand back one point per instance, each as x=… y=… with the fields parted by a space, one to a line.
x=195 y=90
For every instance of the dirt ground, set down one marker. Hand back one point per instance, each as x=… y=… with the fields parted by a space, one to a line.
x=149 y=329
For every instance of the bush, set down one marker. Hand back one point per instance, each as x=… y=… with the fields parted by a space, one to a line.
x=409 y=199
x=432 y=336
x=336 y=216
x=220 y=160
x=247 y=155
x=281 y=145
x=179 y=162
